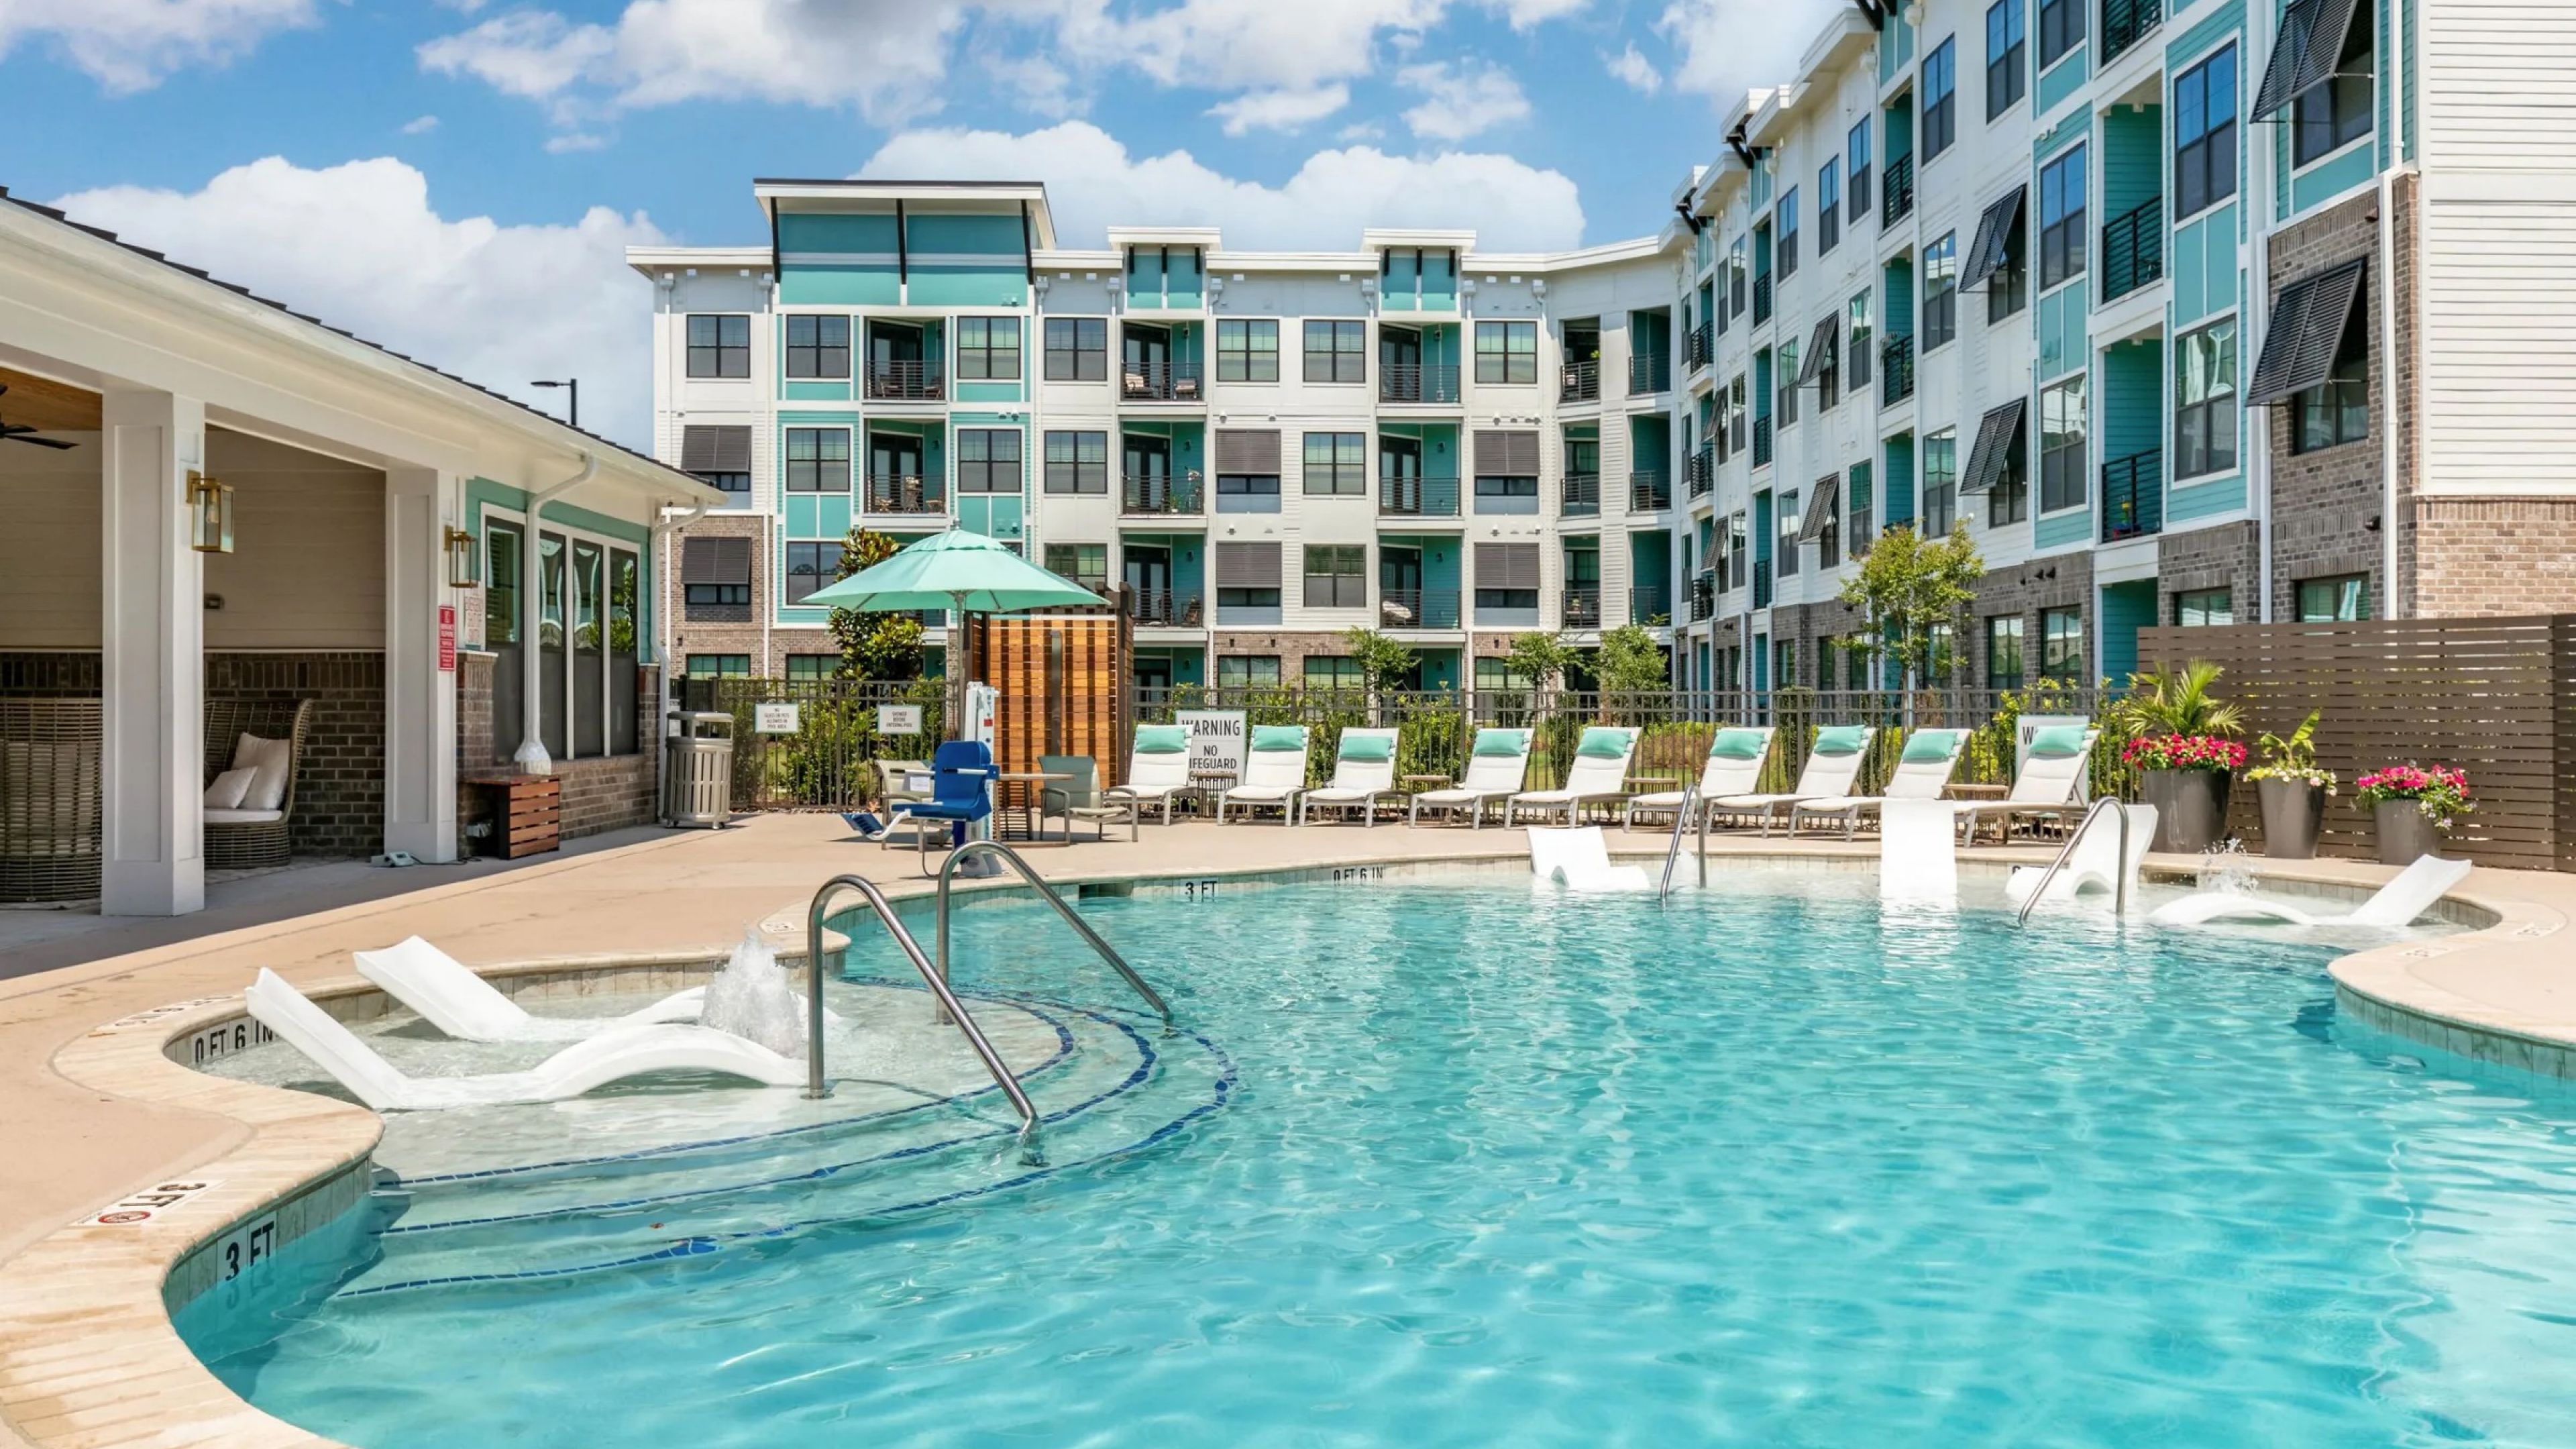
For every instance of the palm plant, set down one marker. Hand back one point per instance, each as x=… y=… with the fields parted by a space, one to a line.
x=2164 y=702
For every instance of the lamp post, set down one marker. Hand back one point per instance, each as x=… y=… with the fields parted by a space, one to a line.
x=572 y=391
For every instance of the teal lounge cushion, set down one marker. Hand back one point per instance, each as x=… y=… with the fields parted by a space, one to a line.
x=1504 y=744
x=1604 y=743
x=1269 y=738
x=1738 y=745
x=1931 y=746
x=1367 y=749
x=1162 y=739
x=1841 y=739
x=2058 y=741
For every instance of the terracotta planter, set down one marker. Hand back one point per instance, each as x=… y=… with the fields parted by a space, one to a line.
x=2191 y=807
x=2406 y=834
x=2294 y=813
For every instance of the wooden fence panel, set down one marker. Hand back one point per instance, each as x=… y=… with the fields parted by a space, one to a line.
x=1062 y=686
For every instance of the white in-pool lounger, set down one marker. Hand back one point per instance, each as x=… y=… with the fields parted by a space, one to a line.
x=2395 y=904
x=2095 y=863
x=576 y=1069
x=1579 y=860
x=469 y=1008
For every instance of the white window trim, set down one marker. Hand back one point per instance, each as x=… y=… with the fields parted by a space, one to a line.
x=532 y=613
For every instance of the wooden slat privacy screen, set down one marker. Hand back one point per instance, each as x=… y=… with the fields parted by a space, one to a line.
x=1062 y=682
x=2494 y=697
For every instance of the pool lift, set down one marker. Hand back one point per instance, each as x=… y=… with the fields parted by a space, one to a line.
x=951 y=1011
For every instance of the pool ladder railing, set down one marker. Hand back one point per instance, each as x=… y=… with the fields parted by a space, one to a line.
x=2119 y=875
x=1692 y=809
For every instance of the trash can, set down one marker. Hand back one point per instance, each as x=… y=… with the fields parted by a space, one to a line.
x=697 y=769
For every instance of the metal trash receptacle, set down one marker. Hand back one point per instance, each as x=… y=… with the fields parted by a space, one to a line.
x=697 y=769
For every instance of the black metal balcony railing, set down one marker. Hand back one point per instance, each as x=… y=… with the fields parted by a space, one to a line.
x=1761 y=300
x=1159 y=382
x=2133 y=248
x=1895 y=370
x=2133 y=495
x=1165 y=608
x=1648 y=490
x=1703 y=472
x=1417 y=497
x=1650 y=604
x=1704 y=596
x=915 y=380
x=1896 y=191
x=1762 y=583
x=1158 y=493
x=1582 y=495
x=1703 y=345
x=1649 y=374
x=1417 y=609
x=1417 y=382
x=1582 y=606
x=1761 y=442
x=2125 y=21
x=1579 y=382
x=904 y=493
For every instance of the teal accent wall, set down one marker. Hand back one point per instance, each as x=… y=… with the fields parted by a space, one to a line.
x=1762 y=383
x=811 y=516
x=1761 y=662
x=1650 y=558
x=1897 y=454
x=2204 y=498
x=2061 y=80
x=2063 y=317
x=982 y=236
x=2203 y=259
x=1650 y=443
x=482 y=493
x=2131 y=400
x=1897 y=306
x=1856 y=489
x=2077 y=125
x=1188 y=440
x=991 y=392
x=839 y=286
x=2214 y=30
x=1763 y=532
x=994 y=515
x=1398 y=291
x=969 y=286
x=2126 y=608
x=863 y=271
x=1439 y=668
x=2329 y=179
x=1439 y=282
x=1895 y=49
x=2132 y=161
x=1183 y=286
x=2071 y=528
x=815 y=392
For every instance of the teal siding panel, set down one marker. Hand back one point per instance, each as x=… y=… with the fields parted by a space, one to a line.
x=994 y=515
x=2074 y=527
x=2132 y=400
x=1182 y=284
x=868 y=286
x=988 y=392
x=2061 y=80
x=1144 y=275
x=969 y=287
x=979 y=235
x=984 y=420
x=1898 y=473
x=2205 y=499
x=842 y=235
x=1439 y=282
x=2132 y=158
x=1898 y=308
x=816 y=392
x=1650 y=557
x=2077 y=125
x=2126 y=608
x=1762 y=529
x=803 y=516
x=832 y=516
x=2214 y=30
x=2205 y=267
x=2329 y=179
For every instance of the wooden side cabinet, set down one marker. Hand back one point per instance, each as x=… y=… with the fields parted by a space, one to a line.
x=525 y=813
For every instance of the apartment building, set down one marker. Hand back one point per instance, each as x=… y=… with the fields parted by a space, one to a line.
x=2192 y=314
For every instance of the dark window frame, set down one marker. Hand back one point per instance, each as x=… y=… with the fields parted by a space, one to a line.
x=1940 y=294
x=1341 y=588
x=725 y=351
x=2205 y=169
x=820 y=470
x=2065 y=454
x=2336 y=413
x=2001 y=628
x=2061 y=654
x=988 y=357
x=1242 y=362
x=1508 y=358
x=1829 y=205
x=808 y=559
x=1077 y=475
x=2062 y=27
x=1937 y=129
x=983 y=475
x=2203 y=457
x=1083 y=355
x=1856 y=171
x=1343 y=357
x=2343 y=109
x=1345 y=468
x=2064 y=243
x=2007 y=55
x=811 y=358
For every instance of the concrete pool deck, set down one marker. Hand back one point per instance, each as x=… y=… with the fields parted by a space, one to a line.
x=92 y=1109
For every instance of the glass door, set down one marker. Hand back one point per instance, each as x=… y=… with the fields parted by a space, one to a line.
x=1149 y=583
x=1399 y=585
x=1148 y=464
x=1399 y=360
x=1399 y=475
x=894 y=475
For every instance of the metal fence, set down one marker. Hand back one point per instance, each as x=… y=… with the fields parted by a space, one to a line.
x=829 y=761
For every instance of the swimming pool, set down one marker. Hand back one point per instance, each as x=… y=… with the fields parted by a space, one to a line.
x=1442 y=1163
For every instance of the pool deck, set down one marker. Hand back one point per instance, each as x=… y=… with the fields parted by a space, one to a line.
x=91 y=1110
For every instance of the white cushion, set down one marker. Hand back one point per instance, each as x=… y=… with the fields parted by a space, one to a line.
x=272 y=759
x=243 y=817
x=229 y=787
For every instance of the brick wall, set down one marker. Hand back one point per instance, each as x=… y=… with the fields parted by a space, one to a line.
x=2057 y=581
x=599 y=794
x=2494 y=556
x=340 y=781
x=738 y=631
x=2226 y=556
x=45 y=672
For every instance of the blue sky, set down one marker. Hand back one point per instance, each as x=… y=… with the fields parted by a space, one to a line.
x=459 y=177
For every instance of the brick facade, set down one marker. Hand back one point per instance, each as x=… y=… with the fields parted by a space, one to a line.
x=608 y=793
x=734 y=629
x=2227 y=556
x=2060 y=580
x=2494 y=556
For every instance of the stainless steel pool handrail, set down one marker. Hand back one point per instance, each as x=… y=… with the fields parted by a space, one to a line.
x=953 y=1013
x=2119 y=876
x=1081 y=927
x=1693 y=808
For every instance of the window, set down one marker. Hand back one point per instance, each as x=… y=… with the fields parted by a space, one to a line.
x=2204 y=608
x=1506 y=485
x=1336 y=352
x=2008 y=501
x=2003 y=651
x=1736 y=272
x=1785 y=251
x=2205 y=401
x=2007 y=68
x=1940 y=483
x=2337 y=411
x=1499 y=674
x=501 y=583
x=988 y=460
x=2061 y=219
x=2061 y=29
x=818 y=460
x=1738 y=431
x=988 y=349
x=1337 y=464
x=809 y=567
x=2062 y=456
x=1940 y=98
x=1247 y=485
x=812 y=667
x=2343 y=599
x=1787 y=392
x=1077 y=462
x=1086 y=564
x=818 y=347
x=1077 y=349
x=1856 y=153
x=2205 y=134
x=1333 y=671
x=719 y=345
x=719 y=666
x=1785 y=522
x=1506 y=352
x=2061 y=645
x=1247 y=671
x=1336 y=576
x=1507 y=576
x=718 y=455
x=1941 y=292
x=2335 y=112
x=1247 y=349
x=715 y=580
x=1856 y=350
x=1829 y=205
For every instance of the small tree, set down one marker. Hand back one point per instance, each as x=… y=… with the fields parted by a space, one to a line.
x=1908 y=586
x=1630 y=662
x=874 y=646
x=1385 y=664
x=1542 y=658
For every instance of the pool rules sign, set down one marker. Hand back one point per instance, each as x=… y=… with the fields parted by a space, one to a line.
x=1217 y=738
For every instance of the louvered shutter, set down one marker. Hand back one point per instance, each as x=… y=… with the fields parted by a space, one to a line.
x=1995 y=435
x=715 y=449
x=1993 y=246
x=1506 y=453
x=2308 y=321
x=1247 y=451
x=715 y=561
x=2304 y=56
x=1821 y=508
x=1507 y=566
x=1248 y=565
x=1820 y=350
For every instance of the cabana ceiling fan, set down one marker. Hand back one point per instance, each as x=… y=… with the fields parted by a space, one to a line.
x=24 y=433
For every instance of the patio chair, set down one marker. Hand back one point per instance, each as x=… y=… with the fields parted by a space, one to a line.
x=1599 y=776
x=961 y=788
x=1734 y=767
x=1363 y=774
x=1831 y=768
x=1274 y=774
x=52 y=839
x=254 y=752
x=2050 y=785
x=1079 y=798
x=1497 y=767
x=1158 y=767
x=1922 y=772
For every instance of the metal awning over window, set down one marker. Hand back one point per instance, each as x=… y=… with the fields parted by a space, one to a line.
x=2313 y=33
x=1822 y=506
x=1995 y=232
x=2308 y=321
x=1821 y=350
x=1506 y=453
x=715 y=561
x=1247 y=451
x=1247 y=565
x=715 y=449
x=1507 y=565
x=1998 y=438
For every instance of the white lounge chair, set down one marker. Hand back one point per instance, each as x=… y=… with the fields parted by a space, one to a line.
x=1831 y=767
x=2095 y=862
x=1579 y=860
x=1734 y=767
x=1922 y=772
x=465 y=1006
x=2050 y=783
x=1598 y=776
x=1274 y=774
x=1158 y=767
x=1497 y=766
x=2405 y=898
x=576 y=1069
x=1363 y=774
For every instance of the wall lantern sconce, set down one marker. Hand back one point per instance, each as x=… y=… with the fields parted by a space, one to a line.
x=210 y=514
x=461 y=573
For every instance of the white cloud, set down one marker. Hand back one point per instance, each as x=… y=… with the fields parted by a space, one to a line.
x=532 y=53
x=1093 y=181
x=1730 y=46
x=1527 y=14
x=1458 y=102
x=1280 y=110
x=131 y=45
x=1632 y=67
x=420 y=125
x=1252 y=44
x=565 y=143
x=360 y=246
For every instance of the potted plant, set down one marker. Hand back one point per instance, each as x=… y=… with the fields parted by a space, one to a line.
x=2185 y=761
x=2293 y=791
x=2412 y=808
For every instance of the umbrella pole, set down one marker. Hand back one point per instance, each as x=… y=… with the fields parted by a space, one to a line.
x=959 y=667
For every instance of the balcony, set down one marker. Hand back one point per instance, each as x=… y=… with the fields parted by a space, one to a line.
x=1896 y=191
x=1579 y=382
x=1581 y=495
x=1165 y=609
x=903 y=493
x=1702 y=342
x=906 y=381
x=1762 y=583
x=1649 y=490
x=2133 y=249
x=1159 y=382
x=1895 y=370
x=1650 y=604
x=1417 y=497
x=1582 y=606
x=1649 y=375
x=1703 y=472
x=1416 y=382
x=2133 y=496
x=1703 y=596
x=1150 y=495
x=2125 y=22
x=1417 y=609
x=1761 y=442
x=1761 y=300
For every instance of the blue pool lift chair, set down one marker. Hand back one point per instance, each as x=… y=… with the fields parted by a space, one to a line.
x=961 y=791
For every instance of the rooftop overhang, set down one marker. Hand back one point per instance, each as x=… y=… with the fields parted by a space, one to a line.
x=1844 y=39
x=776 y=194
x=1205 y=238
x=1390 y=238
x=654 y=261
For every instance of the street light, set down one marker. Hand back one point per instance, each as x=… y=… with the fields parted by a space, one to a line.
x=572 y=387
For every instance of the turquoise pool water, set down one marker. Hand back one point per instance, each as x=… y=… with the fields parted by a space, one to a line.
x=1447 y=1165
